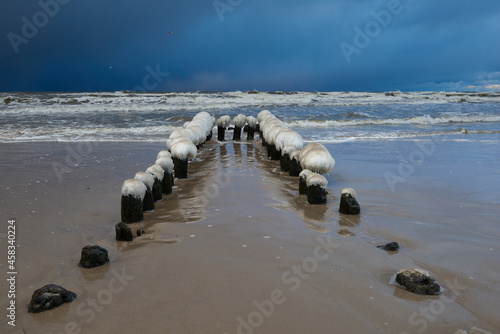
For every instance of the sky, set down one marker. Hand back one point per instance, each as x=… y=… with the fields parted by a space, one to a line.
x=265 y=45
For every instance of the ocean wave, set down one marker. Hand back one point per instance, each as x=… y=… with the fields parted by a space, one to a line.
x=144 y=133
x=422 y=120
x=169 y=101
x=456 y=135
x=354 y=115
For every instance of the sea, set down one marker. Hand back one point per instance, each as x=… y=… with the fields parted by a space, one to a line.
x=326 y=117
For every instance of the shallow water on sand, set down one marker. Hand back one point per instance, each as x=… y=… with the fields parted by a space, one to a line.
x=221 y=253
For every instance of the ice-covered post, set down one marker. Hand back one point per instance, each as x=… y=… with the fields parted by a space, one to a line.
x=166 y=154
x=316 y=158
x=260 y=118
x=348 y=203
x=295 y=167
x=133 y=192
x=239 y=122
x=287 y=141
x=222 y=124
x=157 y=173
x=167 y=165
x=271 y=131
x=285 y=161
x=181 y=152
x=302 y=181
x=252 y=124
x=265 y=117
x=210 y=134
x=316 y=188
x=148 y=180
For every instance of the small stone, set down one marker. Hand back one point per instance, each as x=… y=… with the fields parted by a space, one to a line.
x=93 y=256
x=48 y=297
x=473 y=330
x=123 y=232
x=417 y=281
x=349 y=205
x=390 y=247
x=140 y=232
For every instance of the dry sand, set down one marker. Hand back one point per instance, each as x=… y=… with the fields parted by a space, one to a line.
x=222 y=253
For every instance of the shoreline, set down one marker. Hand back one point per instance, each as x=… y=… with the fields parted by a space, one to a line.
x=192 y=267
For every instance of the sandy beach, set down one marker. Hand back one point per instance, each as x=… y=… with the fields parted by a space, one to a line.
x=235 y=249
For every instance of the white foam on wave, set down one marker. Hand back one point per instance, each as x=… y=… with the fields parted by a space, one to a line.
x=347 y=136
x=192 y=101
x=422 y=120
x=126 y=111
x=75 y=134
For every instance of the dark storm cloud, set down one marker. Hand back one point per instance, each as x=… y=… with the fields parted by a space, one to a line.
x=260 y=44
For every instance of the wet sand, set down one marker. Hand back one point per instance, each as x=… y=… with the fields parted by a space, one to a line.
x=222 y=253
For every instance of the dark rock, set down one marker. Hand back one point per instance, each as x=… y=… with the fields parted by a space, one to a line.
x=48 y=297
x=390 y=247
x=417 y=281
x=93 y=256
x=253 y=92
x=132 y=209
x=473 y=330
x=316 y=195
x=7 y=100
x=123 y=232
x=349 y=205
x=140 y=232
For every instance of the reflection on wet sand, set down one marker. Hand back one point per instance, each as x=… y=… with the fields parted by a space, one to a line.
x=94 y=274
